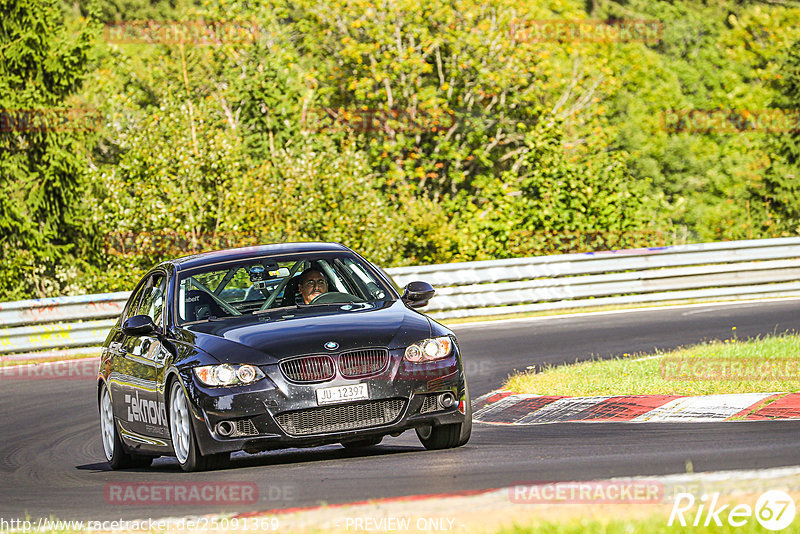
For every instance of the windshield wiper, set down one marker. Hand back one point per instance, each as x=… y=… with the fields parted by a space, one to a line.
x=222 y=318
x=326 y=304
x=270 y=310
x=211 y=318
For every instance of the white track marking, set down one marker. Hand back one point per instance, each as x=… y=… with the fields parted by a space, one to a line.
x=561 y=410
x=702 y=408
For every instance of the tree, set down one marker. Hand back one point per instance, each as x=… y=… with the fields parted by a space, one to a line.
x=781 y=188
x=43 y=220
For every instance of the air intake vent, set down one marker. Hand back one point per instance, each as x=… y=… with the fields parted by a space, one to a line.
x=430 y=404
x=309 y=369
x=339 y=418
x=364 y=362
x=244 y=427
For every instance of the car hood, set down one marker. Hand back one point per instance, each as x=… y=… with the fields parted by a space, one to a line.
x=268 y=338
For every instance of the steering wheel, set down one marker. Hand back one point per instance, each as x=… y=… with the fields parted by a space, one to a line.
x=333 y=297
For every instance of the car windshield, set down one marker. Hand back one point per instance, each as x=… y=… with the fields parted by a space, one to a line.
x=262 y=285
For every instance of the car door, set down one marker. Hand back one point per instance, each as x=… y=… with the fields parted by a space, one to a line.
x=121 y=372
x=144 y=358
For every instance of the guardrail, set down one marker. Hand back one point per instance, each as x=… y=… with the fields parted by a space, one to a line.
x=58 y=325
x=725 y=270
x=706 y=271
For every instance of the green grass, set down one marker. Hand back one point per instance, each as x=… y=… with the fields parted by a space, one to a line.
x=654 y=524
x=731 y=366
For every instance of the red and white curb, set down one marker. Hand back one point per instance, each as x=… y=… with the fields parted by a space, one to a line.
x=506 y=407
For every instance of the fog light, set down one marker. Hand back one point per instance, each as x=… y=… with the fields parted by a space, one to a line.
x=446 y=400
x=225 y=428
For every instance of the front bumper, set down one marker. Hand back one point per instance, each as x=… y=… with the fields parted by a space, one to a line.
x=263 y=408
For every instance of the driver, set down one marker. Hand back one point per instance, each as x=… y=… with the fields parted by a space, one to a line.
x=312 y=284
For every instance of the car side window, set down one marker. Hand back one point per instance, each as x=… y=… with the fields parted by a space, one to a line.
x=152 y=303
x=133 y=303
x=366 y=285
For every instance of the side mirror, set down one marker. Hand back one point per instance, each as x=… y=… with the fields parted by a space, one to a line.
x=139 y=325
x=417 y=294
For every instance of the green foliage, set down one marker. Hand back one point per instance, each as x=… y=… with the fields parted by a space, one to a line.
x=712 y=56
x=315 y=190
x=442 y=95
x=413 y=133
x=43 y=230
x=781 y=188
x=560 y=202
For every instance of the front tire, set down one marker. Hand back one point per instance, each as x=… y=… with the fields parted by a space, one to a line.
x=112 y=444
x=184 y=442
x=448 y=436
x=439 y=437
x=466 y=426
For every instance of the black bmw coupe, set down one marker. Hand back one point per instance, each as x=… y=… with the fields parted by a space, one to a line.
x=275 y=346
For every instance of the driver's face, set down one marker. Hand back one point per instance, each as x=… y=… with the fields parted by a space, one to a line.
x=312 y=285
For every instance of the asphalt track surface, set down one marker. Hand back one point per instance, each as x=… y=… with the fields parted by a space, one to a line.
x=51 y=456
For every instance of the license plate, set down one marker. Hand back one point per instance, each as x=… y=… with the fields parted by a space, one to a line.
x=342 y=394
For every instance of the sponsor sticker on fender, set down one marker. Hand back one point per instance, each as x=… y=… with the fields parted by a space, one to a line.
x=145 y=410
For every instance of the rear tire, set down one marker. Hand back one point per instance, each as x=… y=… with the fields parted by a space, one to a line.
x=114 y=450
x=184 y=442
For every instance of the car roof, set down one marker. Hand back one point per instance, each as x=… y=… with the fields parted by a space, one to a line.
x=243 y=253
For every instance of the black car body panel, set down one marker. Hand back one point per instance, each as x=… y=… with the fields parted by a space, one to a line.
x=278 y=410
x=388 y=325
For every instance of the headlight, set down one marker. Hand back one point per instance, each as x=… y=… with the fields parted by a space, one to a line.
x=228 y=375
x=429 y=349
